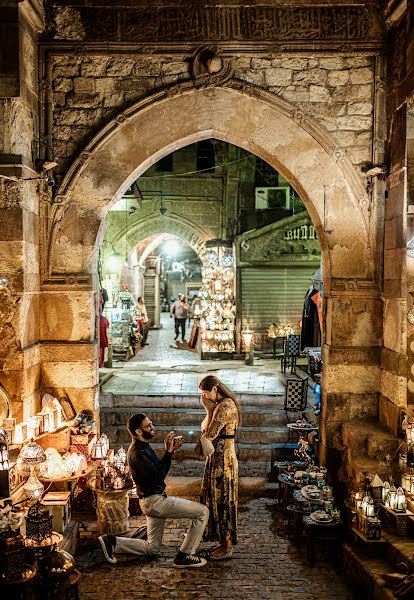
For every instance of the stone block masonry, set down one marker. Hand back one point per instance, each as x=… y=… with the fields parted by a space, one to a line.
x=88 y=91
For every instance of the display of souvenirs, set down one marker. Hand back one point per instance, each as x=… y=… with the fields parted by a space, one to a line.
x=218 y=311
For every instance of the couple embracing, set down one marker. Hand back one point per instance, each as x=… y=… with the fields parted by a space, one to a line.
x=216 y=514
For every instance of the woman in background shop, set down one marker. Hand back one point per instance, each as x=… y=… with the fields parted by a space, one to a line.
x=220 y=483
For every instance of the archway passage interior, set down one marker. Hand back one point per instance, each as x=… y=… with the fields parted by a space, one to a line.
x=303 y=153
x=213 y=190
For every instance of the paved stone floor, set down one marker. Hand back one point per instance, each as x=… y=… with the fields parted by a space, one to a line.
x=265 y=565
x=166 y=366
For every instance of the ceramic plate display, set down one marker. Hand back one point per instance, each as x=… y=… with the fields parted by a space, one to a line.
x=320 y=516
x=311 y=492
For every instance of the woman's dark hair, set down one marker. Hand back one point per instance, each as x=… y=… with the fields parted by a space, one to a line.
x=139 y=298
x=134 y=423
x=211 y=381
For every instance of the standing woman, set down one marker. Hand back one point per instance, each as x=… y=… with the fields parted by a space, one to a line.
x=219 y=490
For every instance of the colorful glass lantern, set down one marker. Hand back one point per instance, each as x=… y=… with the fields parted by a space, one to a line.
x=4 y=451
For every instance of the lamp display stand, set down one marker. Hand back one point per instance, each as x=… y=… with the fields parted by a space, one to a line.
x=218 y=310
x=111 y=509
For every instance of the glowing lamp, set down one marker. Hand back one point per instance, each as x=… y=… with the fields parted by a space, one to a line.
x=385 y=490
x=31 y=460
x=247 y=335
x=401 y=502
x=393 y=497
x=367 y=506
x=114 y=263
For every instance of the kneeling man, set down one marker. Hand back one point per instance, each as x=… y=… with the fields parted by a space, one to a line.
x=148 y=473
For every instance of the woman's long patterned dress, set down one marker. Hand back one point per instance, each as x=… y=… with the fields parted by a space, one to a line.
x=219 y=490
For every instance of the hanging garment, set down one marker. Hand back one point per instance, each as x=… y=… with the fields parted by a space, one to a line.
x=310 y=335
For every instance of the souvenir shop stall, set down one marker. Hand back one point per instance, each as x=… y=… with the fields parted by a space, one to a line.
x=218 y=310
x=124 y=319
x=307 y=501
x=51 y=465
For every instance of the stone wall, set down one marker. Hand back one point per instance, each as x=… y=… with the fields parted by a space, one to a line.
x=20 y=360
x=90 y=90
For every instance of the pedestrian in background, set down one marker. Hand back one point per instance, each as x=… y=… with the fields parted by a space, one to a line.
x=180 y=310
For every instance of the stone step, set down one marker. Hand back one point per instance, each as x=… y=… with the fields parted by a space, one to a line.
x=369 y=439
x=249 y=487
x=365 y=572
x=356 y=468
x=140 y=402
x=195 y=468
x=245 y=452
x=246 y=435
x=399 y=549
x=251 y=416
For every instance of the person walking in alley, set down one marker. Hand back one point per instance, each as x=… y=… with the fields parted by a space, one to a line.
x=148 y=473
x=143 y=320
x=180 y=312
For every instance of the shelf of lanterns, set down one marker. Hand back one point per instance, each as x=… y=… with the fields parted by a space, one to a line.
x=111 y=471
x=50 y=419
x=218 y=310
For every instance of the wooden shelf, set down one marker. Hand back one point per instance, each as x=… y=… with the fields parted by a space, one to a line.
x=364 y=538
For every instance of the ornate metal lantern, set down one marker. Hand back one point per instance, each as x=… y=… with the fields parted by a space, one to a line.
x=38 y=526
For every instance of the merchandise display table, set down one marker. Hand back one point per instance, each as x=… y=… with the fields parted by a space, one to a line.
x=327 y=533
x=111 y=509
x=21 y=589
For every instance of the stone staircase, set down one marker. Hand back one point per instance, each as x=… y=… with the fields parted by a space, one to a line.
x=366 y=564
x=263 y=430
x=364 y=447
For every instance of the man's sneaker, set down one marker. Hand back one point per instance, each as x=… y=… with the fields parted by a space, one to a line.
x=107 y=549
x=189 y=560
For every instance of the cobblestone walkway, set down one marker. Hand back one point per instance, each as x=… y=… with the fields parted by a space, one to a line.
x=265 y=565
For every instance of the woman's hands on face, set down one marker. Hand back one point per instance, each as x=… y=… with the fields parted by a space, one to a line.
x=207 y=403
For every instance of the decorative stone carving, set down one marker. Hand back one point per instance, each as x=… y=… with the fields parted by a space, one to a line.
x=278 y=24
x=208 y=67
x=294 y=237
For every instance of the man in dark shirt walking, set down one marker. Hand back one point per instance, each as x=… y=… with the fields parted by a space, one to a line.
x=148 y=473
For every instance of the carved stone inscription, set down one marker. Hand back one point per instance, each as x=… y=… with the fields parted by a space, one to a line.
x=253 y=23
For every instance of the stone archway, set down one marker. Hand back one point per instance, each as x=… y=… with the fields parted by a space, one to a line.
x=292 y=143
x=179 y=227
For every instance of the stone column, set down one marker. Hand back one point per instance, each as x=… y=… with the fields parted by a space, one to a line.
x=19 y=207
x=351 y=373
